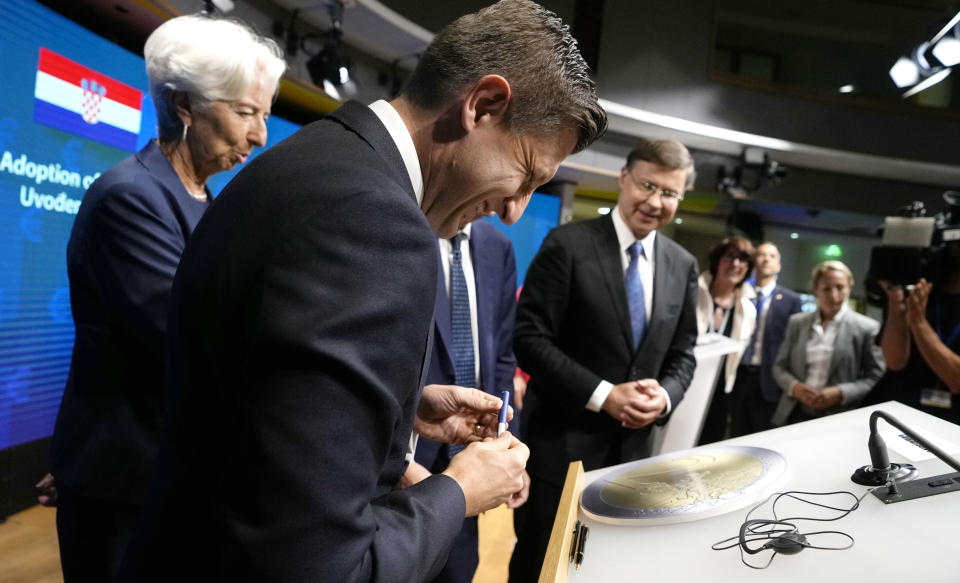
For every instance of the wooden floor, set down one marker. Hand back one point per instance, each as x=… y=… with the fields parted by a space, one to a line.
x=29 y=554
x=28 y=547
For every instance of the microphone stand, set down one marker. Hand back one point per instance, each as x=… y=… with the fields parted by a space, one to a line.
x=881 y=471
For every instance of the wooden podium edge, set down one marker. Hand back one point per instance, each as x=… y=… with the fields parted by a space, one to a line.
x=557 y=560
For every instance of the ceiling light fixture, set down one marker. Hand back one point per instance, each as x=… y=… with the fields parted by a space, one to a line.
x=930 y=62
x=329 y=68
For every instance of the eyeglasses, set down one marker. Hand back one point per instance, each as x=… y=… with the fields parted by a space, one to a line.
x=649 y=188
x=732 y=256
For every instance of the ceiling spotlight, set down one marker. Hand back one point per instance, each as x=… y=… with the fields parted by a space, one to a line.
x=904 y=72
x=847 y=89
x=930 y=62
x=329 y=68
x=947 y=51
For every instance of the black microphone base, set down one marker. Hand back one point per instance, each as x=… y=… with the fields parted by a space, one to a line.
x=871 y=476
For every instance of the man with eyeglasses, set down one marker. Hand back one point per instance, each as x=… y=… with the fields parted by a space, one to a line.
x=605 y=327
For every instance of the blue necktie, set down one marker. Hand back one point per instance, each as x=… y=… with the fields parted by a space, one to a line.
x=635 y=299
x=460 y=328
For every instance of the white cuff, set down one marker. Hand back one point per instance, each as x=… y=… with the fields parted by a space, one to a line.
x=600 y=395
x=666 y=395
x=411 y=447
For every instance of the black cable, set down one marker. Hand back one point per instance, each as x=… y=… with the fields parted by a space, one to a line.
x=755 y=530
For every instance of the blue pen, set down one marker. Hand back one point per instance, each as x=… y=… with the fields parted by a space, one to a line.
x=502 y=425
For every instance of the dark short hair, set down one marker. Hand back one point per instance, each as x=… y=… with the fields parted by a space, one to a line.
x=740 y=245
x=533 y=50
x=663 y=152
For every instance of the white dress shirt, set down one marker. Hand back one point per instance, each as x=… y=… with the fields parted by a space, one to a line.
x=820 y=349
x=404 y=141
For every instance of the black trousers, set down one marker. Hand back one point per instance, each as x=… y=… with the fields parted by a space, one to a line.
x=750 y=412
x=93 y=535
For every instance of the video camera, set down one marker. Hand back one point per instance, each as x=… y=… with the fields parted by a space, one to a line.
x=914 y=246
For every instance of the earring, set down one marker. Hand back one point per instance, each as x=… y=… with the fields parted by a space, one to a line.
x=183 y=138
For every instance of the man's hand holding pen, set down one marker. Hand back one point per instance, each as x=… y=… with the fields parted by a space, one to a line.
x=490 y=469
x=452 y=414
x=489 y=472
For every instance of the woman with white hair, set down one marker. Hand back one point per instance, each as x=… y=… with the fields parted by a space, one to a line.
x=213 y=82
x=829 y=359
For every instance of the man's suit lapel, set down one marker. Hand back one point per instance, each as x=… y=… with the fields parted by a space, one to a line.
x=485 y=271
x=774 y=305
x=362 y=121
x=659 y=317
x=611 y=266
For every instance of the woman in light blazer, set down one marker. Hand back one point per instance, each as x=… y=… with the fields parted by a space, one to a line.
x=828 y=360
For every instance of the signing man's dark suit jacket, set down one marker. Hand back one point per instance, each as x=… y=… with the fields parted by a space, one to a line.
x=300 y=320
x=573 y=330
x=123 y=252
x=495 y=283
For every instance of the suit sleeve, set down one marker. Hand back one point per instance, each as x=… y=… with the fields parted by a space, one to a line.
x=871 y=364
x=676 y=372
x=346 y=310
x=134 y=248
x=540 y=315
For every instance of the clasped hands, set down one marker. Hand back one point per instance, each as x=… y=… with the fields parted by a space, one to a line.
x=817 y=399
x=490 y=470
x=636 y=404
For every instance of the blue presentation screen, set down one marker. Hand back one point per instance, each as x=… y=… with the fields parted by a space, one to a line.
x=540 y=217
x=73 y=105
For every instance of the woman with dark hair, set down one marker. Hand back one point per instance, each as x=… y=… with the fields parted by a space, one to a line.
x=213 y=84
x=726 y=306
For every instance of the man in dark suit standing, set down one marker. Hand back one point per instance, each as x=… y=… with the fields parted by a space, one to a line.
x=605 y=327
x=302 y=313
x=473 y=347
x=755 y=394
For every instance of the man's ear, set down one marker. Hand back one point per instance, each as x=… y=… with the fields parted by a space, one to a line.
x=486 y=102
x=181 y=101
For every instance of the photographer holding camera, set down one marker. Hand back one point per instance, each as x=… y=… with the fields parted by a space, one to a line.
x=921 y=343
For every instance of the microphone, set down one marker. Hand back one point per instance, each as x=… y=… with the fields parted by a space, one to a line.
x=881 y=471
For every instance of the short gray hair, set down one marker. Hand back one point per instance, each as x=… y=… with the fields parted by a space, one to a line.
x=664 y=152
x=208 y=59
x=533 y=50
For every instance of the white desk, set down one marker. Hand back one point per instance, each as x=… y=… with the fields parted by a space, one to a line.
x=912 y=541
x=683 y=429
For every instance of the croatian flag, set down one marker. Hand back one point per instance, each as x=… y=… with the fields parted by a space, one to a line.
x=75 y=99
